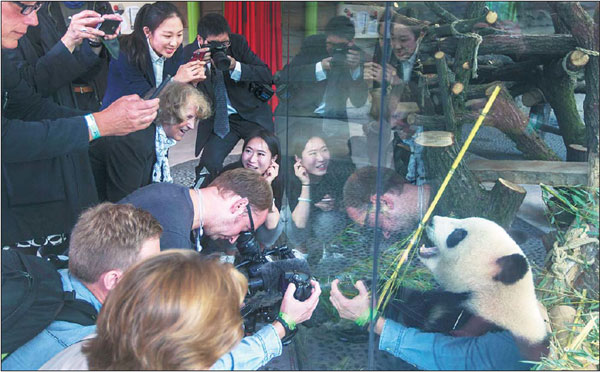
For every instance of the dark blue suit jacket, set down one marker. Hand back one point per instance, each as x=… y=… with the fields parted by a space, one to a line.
x=125 y=78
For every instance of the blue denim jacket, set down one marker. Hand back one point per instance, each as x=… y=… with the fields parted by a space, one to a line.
x=57 y=336
x=252 y=353
x=436 y=351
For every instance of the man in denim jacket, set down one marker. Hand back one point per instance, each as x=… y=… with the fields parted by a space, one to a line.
x=106 y=240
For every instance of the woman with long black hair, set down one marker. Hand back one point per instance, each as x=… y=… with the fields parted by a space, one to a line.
x=150 y=53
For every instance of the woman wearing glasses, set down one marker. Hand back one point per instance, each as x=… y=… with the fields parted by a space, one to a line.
x=150 y=53
x=121 y=165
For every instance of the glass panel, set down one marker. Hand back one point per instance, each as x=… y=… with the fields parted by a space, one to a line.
x=363 y=158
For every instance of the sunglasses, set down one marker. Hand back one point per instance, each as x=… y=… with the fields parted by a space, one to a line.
x=28 y=9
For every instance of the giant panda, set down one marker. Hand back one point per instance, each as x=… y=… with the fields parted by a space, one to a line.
x=481 y=272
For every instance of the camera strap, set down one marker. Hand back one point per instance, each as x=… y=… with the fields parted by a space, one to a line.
x=200 y=230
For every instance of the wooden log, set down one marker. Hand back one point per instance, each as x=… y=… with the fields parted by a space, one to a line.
x=512 y=45
x=505 y=199
x=559 y=90
x=442 y=13
x=577 y=152
x=576 y=60
x=464 y=25
x=463 y=196
x=457 y=88
x=520 y=71
x=424 y=98
x=585 y=32
x=530 y=172
x=508 y=118
x=533 y=97
x=474 y=91
x=446 y=99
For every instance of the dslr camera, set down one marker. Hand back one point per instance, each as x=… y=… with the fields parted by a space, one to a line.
x=339 y=54
x=218 y=53
x=261 y=91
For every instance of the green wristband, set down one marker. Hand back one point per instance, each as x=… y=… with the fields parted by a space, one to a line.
x=289 y=322
x=366 y=317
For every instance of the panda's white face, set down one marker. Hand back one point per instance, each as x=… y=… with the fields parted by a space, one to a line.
x=476 y=256
x=466 y=251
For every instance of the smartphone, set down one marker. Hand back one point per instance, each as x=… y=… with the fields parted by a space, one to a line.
x=109 y=26
x=198 y=55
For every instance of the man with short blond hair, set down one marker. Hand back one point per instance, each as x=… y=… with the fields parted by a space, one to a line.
x=106 y=240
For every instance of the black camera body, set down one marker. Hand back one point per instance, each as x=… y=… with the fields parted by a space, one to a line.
x=261 y=91
x=339 y=54
x=300 y=280
x=218 y=53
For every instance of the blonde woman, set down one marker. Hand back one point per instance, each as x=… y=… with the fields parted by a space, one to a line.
x=180 y=311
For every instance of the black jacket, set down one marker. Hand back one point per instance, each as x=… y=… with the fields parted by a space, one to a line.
x=246 y=104
x=51 y=70
x=46 y=176
x=125 y=78
x=123 y=164
x=298 y=89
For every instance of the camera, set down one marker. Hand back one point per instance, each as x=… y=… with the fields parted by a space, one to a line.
x=248 y=246
x=300 y=280
x=339 y=54
x=218 y=53
x=261 y=91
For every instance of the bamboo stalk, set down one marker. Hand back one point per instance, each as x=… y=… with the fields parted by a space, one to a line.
x=389 y=285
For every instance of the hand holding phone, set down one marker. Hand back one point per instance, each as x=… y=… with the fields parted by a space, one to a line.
x=198 y=55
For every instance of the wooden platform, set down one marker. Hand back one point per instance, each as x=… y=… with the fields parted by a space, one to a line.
x=530 y=172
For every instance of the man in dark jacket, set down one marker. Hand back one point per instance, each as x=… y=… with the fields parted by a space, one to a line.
x=61 y=61
x=45 y=185
x=237 y=110
x=320 y=79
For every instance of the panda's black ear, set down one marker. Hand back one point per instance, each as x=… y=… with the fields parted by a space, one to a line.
x=456 y=237
x=512 y=268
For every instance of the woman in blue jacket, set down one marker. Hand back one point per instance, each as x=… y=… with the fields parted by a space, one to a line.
x=150 y=53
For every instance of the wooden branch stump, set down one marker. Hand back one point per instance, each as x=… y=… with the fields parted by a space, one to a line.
x=457 y=88
x=464 y=196
x=576 y=60
x=505 y=199
x=577 y=152
x=508 y=118
x=446 y=99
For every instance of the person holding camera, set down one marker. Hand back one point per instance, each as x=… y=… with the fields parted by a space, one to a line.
x=321 y=78
x=67 y=36
x=235 y=80
x=46 y=176
x=151 y=53
x=180 y=310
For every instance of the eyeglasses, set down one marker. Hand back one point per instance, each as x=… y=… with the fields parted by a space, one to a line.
x=250 y=217
x=28 y=9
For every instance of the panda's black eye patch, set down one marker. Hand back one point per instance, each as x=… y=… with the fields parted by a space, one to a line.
x=456 y=237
